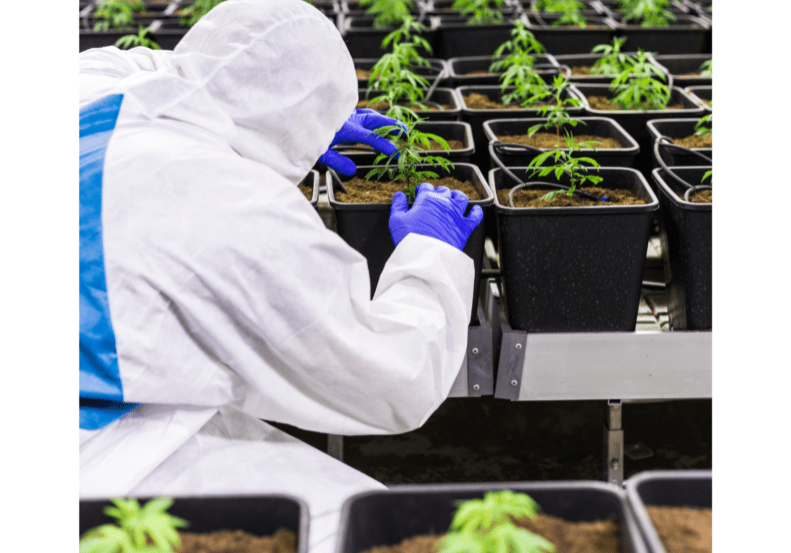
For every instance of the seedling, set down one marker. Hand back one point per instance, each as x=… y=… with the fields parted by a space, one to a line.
x=612 y=61
x=523 y=42
x=705 y=69
x=140 y=39
x=149 y=529
x=409 y=31
x=565 y=164
x=487 y=526
x=387 y=13
x=700 y=127
x=116 y=14
x=650 y=13
x=637 y=88
x=481 y=12
x=393 y=67
x=518 y=66
x=707 y=175
x=559 y=6
x=199 y=8
x=409 y=157
x=556 y=113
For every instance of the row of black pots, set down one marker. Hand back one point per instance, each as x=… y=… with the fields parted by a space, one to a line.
x=386 y=518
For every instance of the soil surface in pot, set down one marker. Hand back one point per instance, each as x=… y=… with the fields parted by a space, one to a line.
x=568 y=537
x=476 y=100
x=237 y=541
x=551 y=140
x=603 y=103
x=581 y=70
x=433 y=146
x=362 y=73
x=694 y=141
x=531 y=197
x=686 y=529
x=702 y=197
x=306 y=189
x=363 y=191
x=385 y=105
x=479 y=73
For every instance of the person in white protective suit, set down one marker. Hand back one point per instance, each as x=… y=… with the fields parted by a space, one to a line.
x=211 y=294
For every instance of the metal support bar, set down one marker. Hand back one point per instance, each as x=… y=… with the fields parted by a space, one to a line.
x=335 y=446
x=613 y=443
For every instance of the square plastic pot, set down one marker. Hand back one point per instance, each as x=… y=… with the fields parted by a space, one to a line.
x=386 y=518
x=476 y=117
x=666 y=488
x=570 y=40
x=678 y=65
x=675 y=128
x=600 y=126
x=459 y=69
x=701 y=94
x=685 y=35
x=314 y=179
x=585 y=60
x=449 y=130
x=260 y=515
x=365 y=227
x=635 y=122
x=364 y=41
x=455 y=38
x=686 y=237
x=441 y=95
x=574 y=269
x=429 y=73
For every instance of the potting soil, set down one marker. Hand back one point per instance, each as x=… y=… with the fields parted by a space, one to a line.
x=581 y=70
x=568 y=537
x=385 y=105
x=363 y=191
x=433 y=145
x=702 y=197
x=694 y=141
x=551 y=140
x=686 y=529
x=475 y=100
x=479 y=73
x=362 y=73
x=531 y=197
x=306 y=189
x=604 y=104
x=237 y=541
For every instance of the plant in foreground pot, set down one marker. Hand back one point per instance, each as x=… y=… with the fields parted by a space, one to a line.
x=480 y=12
x=487 y=526
x=140 y=39
x=116 y=14
x=566 y=164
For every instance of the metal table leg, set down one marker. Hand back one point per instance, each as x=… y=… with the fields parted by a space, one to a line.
x=613 y=443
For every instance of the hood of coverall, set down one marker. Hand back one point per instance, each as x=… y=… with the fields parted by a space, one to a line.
x=271 y=77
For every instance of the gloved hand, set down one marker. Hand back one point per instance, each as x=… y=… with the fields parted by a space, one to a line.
x=436 y=213
x=359 y=128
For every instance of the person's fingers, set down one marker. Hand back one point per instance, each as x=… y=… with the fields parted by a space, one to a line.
x=423 y=187
x=475 y=217
x=338 y=162
x=443 y=191
x=400 y=204
x=381 y=145
x=373 y=120
x=460 y=200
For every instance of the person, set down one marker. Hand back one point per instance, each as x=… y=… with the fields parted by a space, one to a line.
x=213 y=298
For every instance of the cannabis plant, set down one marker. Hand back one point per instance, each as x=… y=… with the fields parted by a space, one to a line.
x=480 y=12
x=523 y=42
x=707 y=175
x=387 y=13
x=701 y=128
x=147 y=529
x=514 y=58
x=559 y=6
x=566 y=164
x=487 y=526
x=140 y=39
x=409 y=157
x=650 y=13
x=409 y=31
x=394 y=67
x=199 y=8
x=705 y=69
x=116 y=14
x=555 y=112
x=612 y=60
x=636 y=86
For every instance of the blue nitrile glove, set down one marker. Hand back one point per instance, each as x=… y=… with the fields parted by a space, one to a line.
x=436 y=213
x=359 y=128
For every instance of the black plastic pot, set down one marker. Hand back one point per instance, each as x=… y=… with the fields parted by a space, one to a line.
x=441 y=95
x=364 y=41
x=702 y=93
x=686 y=237
x=686 y=35
x=570 y=40
x=459 y=69
x=476 y=117
x=260 y=515
x=314 y=180
x=386 y=518
x=678 y=65
x=455 y=38
x=635 y=122
x=365 y=226
x=449 y=130
x=429 y=73
x=574 y=269
x=601 y=126
x=675 y=128
x=613 y=8
x=585 y=60
x=666 y=488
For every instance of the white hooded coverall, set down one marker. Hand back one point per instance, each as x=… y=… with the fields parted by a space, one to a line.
x=227 y=299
